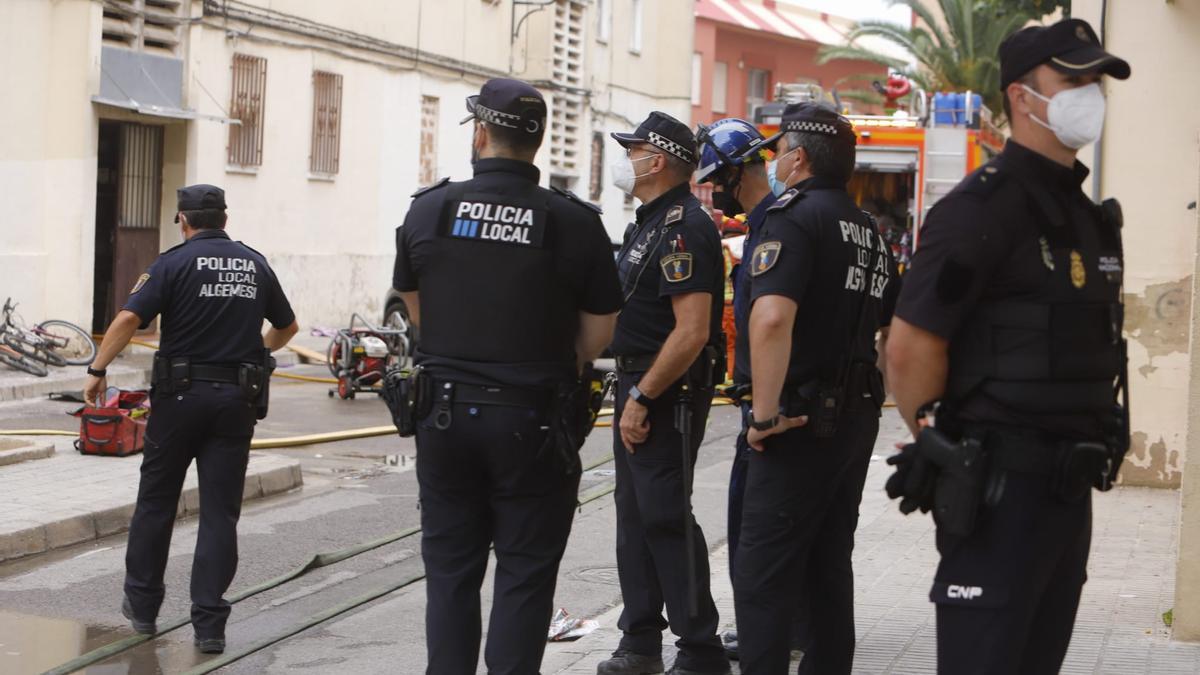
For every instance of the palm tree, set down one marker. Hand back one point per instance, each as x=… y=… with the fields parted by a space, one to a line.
x=961 y=55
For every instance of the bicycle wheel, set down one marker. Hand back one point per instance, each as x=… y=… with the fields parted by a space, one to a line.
x=22 y=362
x=79 y=349
x=33 y=347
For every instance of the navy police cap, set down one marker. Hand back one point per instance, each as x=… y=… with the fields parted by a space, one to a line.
x=813 y=117
x=665 y=133
x=508 y=103
x=198 y=198
x=1069 y=46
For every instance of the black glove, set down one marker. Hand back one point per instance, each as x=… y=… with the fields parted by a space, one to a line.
x=913 y=482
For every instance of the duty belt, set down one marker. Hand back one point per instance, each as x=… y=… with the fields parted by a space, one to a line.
x=635 y=364
x=474 y=394
x=1021 y=450
x=210 y=373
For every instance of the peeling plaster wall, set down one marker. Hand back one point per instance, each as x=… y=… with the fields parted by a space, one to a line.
x=1154 y=169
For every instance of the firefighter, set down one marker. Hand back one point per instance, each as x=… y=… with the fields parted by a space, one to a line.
x=534 y=268
x=208 y=388
x=1011 y=318
x=819 y=276
x=669 y=349
x=733 y=159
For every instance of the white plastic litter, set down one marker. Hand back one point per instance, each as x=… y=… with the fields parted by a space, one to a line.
x=565 y=628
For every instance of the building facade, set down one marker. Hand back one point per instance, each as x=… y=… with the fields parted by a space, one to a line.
x=319 y=123
x=745 y=47
x=1149 y=158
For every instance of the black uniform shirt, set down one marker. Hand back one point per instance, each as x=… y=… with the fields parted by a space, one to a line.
x=213 y=294
x=673 y=248
x=503 y=268
x=982 y=243
x=820 y=250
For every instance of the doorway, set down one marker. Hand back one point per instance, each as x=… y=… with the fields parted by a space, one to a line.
x=128 y=207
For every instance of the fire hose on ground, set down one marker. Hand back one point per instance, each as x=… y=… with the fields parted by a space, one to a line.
x=318 y=561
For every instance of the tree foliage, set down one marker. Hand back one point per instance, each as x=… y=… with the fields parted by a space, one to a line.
x=959 y=54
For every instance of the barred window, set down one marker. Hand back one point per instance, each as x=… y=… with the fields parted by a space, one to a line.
x=429 y=137
x=247 y=105
x=596 y=182
x=326 y=123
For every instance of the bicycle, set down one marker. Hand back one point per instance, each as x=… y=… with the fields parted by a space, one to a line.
x=15 y=359
x=54 y=342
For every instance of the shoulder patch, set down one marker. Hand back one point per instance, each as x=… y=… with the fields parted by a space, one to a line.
x=140 y=282
x=674 y=215
x=786 y=199
x=765 y=256
x=430 y=188
x=676 y=267
x=576 y=198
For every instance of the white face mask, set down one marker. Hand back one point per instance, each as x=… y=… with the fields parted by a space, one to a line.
x=782 y=180
x=1076 y=116
x=623 y=175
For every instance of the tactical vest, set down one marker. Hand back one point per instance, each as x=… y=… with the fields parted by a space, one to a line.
x=1058 y=349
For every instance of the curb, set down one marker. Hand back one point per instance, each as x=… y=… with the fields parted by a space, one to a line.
x=30 y=387
x=26 y=453
x=279 y=475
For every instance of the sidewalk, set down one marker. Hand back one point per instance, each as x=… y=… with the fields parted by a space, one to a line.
x=1119 y=629
x=129 y=372
x=70 y=498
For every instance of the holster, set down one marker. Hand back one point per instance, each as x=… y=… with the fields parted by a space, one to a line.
x=1084 y=465
x=959 y=485
x=709 y=368
x=573 y=412
x=254 y=379
x=407 y=397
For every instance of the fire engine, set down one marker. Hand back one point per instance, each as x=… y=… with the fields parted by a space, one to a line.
x=907 y=160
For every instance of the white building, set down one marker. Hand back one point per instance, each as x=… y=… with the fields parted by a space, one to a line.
x=318 y=118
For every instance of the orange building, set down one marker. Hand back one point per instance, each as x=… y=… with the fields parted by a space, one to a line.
x=744 y=47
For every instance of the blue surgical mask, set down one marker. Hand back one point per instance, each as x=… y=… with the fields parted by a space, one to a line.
x=777 y=188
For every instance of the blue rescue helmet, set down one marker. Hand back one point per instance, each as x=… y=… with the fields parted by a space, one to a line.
x=727 y=142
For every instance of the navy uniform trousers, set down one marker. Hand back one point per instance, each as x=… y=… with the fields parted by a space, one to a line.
x=213 y=424
x=651 y=559
x=485 y=480
x=1007 y=594
x=799 y=514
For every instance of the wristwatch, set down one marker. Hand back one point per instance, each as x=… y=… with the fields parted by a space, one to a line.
x=765 y=425
x=640 y=398
x=97 y=372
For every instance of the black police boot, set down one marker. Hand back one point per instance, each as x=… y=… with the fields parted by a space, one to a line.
x=730 y=642
x=625 y=662
x=140 y=626
x=210 y=645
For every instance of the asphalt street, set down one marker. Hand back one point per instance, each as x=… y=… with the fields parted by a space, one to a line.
x=355 y=491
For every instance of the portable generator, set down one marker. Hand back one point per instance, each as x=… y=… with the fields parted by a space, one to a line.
x=360 y=355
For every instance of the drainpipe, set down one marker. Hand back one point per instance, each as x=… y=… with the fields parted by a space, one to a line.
x=1098 y=150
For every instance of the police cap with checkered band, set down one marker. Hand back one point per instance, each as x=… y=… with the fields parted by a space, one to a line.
x=509 y=103
x=811 y=117
x=665 y=133
x=1069 y=46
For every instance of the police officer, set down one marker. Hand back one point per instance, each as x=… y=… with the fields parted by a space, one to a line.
x=1011 y=317
x=818 y=278
x=734 y=160
x=208 y=387
x=667 y=345
x=513 y=288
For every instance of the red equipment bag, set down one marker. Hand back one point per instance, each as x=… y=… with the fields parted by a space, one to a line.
x=117 y=429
